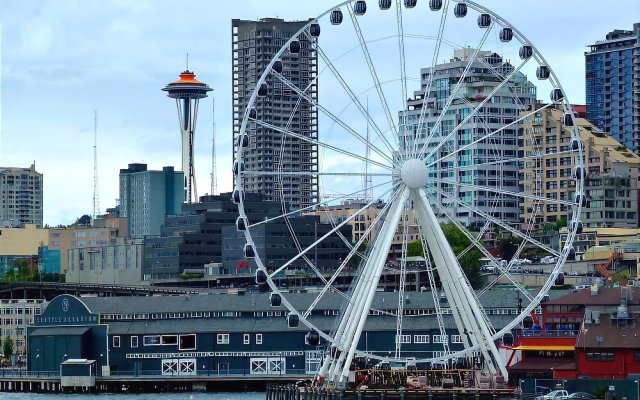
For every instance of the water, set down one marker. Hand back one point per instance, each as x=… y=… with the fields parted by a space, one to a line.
x=143 y=396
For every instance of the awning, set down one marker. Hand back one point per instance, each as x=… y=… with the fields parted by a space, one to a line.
x=60 y=331
x=544 y=348
x=543 y=364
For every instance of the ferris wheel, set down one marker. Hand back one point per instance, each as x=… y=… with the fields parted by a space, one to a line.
x=430 y=113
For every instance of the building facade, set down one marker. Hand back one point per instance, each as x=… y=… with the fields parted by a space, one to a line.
x=275 y=245
x=611 y=174
x=20 y=244
x=21 y=194
x=192 y=240
x=118 y=263
x=254 y=45
x=483 y=77
x=613 y=85
x=71 y=237
x=15 y=316
x=147 y=197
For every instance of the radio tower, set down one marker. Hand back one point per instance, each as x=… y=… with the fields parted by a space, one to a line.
x=96 y=196
x=188 y=91
x=214 y=177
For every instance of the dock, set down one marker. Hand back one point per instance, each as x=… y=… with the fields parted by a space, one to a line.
x=292 y=392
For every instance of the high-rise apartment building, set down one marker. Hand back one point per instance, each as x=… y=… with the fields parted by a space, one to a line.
x=20 y=196
x=486 y=73
x=254 y=44
x=611 y=180
x=147 y=197
x=613 y=85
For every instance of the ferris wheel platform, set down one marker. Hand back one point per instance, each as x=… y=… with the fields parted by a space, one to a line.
x=293 y=392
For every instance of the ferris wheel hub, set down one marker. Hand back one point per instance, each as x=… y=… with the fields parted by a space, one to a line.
x=414 y=173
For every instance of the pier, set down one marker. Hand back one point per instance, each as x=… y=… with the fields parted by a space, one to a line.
x=293 y=392
x=34 y=383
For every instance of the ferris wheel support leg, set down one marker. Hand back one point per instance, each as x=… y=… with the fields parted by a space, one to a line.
x=459 y=294
x=366 y=287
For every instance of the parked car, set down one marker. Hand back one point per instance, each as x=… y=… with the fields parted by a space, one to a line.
x=554 y=395
x=582 y=395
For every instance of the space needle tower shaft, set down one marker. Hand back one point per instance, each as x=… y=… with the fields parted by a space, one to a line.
x=188 y=91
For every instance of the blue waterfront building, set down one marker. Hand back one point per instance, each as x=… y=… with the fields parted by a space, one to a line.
x=613 y=85
x=230 y=333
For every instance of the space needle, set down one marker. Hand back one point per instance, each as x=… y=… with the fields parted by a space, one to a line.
x=188 y=91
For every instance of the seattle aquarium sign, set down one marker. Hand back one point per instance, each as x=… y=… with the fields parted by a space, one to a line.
x=66 y=310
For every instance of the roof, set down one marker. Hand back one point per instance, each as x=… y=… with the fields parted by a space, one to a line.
x=607 y=334
x=263 y=325
x=492 y=299
x=607 y=296
x=60 y=331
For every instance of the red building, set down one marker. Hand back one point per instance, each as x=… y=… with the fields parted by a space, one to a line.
x=587 y=333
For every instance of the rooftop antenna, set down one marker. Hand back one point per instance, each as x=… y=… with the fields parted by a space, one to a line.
x=96 y=197
x=187 y=61
x=214 y=177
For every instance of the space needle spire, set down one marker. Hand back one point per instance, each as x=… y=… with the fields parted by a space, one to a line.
x=187 y=91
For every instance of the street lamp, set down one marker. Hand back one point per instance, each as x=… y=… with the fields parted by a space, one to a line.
x=637 y=388
x=38 y=361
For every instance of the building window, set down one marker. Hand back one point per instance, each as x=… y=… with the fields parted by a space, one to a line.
x=134 y=341
x=223 y=338
x=258 y=338
x=116 y=341
x=456 y=339
x=187 y=342
x=153 y=340
x=403 y=338
x=420 y=338
x=246 y=338
x=600 y=356
x=636 y=356
x=439 y=339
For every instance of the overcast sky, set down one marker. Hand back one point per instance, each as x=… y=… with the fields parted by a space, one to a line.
x=60 y=60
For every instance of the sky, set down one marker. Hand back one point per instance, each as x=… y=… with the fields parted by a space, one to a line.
x=61 y=60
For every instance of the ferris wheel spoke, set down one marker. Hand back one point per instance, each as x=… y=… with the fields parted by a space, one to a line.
x=402 y=280
x=313 y=206
x=403 y=72
x=475 y=110
x=489 y=135
x=474 y=243
x=434 y=292
x=331 y=232
x=374 y=75
x=506 y=192
x=454 y=93
x=335 y=119
x=354 y=99
x=351 y=254
x=467 y=314
x=507 y=161
x=497 y=222
x=309 y=173
x=434 y=60
x=322 y=144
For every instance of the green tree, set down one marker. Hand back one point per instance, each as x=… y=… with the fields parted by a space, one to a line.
x=414 y=249
x=470 y=261
x=7 y=347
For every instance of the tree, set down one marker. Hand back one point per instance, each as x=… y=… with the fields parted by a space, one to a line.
x=470 y=261
x=7 y=347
